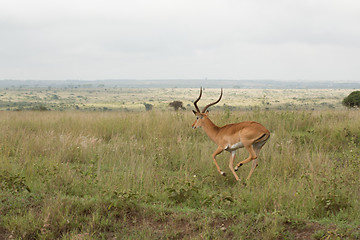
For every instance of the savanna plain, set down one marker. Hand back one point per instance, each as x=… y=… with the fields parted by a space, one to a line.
x=98 y=164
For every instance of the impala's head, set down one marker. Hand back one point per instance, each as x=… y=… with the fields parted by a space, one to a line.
x=199 y=119
x=201 y=115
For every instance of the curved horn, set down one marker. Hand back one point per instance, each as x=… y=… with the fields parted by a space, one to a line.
x=195 y=103
x=209 y=105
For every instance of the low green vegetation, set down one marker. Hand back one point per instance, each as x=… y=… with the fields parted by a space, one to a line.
x=148 y=175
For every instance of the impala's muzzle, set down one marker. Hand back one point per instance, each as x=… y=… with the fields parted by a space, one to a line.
x=194 y=125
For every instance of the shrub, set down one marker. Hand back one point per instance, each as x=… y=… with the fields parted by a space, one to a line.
x=148 y=106
x=353 y=100
x=176 y=105
x=40 y=108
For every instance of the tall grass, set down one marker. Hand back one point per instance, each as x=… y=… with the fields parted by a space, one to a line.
x=149 y=175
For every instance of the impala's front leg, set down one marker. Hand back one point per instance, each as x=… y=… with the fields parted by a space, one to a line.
x=218 y=151
x=231 y=165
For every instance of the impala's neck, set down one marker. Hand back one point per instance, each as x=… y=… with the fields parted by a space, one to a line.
x=210 y=129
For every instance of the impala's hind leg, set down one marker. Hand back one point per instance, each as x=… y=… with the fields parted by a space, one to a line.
x=252 y=156
x=254 y=164
x=257 y=148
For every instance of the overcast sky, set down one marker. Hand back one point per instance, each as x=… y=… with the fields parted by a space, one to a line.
x=180 y=39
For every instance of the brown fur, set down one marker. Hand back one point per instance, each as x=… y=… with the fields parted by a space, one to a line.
x=249 y=134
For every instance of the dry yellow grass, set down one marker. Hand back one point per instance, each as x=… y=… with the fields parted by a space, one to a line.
x=134 y=99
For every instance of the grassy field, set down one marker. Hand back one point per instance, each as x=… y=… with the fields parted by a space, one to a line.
x=148 y=175
x=133 y=99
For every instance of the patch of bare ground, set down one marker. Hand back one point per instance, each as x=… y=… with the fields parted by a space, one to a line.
x=171 y=225
x=4 y=234
x=313 y=230
x=175 y=228
x=223 y=225
x=303 y=230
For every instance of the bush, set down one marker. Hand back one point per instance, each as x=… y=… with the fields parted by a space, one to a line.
x=176 y=105
x=353 y=100
x=40 y=108
x=148 y=106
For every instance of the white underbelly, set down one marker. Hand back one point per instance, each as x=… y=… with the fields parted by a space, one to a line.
x=235 y=146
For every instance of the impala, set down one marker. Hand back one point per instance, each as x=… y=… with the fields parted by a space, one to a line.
x=250 y=135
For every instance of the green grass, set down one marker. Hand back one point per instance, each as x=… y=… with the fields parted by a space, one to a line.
x=148 y=175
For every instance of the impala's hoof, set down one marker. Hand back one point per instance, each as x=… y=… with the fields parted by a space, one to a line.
x=222 y=173
x=237 y=168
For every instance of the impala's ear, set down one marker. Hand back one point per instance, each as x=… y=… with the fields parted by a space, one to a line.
x=207 y=112
x=194 y=112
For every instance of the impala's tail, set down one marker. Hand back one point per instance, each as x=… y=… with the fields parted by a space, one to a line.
x=263 y=139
